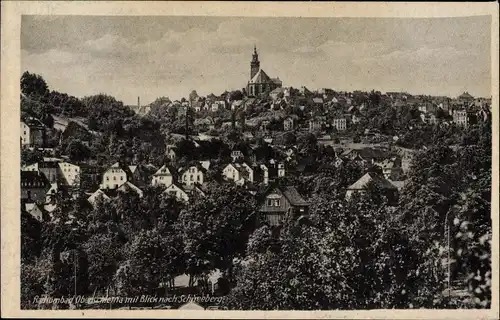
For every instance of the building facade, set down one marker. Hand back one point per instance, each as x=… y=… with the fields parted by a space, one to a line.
x=32 y=133
x=260 y=82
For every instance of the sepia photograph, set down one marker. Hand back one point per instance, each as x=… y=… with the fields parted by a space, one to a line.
x=256 y=163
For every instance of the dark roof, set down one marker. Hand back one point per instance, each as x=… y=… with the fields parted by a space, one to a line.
x=33 y=179
x=370 y=153
x=33 y=122
x=293 y=196
x=261 y=77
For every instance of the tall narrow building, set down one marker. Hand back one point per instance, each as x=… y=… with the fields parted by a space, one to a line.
x=255 y=64
x=260 y=82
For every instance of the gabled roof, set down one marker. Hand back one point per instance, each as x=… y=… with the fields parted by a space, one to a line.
x=261 y=77
x=369 y=177
x=33 y=122
x=175 y=186
x=277 y=90
x=128 y=169
x=164 y=171
x=127 y=186
x=465 y=95
x=368 y=153
x=294 y=197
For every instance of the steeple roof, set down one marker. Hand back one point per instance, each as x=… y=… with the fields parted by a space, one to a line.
x=260 y=77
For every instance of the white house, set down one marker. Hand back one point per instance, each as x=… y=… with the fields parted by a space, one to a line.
x=192 y=175
x=70 y=173
x=162 y=177
x=239 y=173
x=340 y=124
x=177 y=192
x=115 y=176
x=281 y=169
x=265 y=174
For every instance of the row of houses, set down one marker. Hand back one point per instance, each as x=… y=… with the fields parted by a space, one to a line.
x=275 y=205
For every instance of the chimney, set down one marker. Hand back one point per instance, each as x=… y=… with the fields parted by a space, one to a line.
x=138 y=101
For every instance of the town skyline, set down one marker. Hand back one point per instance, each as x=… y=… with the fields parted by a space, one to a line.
x=171 y=56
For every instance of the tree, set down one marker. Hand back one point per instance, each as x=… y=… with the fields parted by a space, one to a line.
x=77 y=151
x=33 y=85
x=236 y=95
x=215 y=229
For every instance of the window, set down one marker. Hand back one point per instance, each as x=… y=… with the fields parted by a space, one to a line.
x=198 y=178
x=114 y=178
x=107 y=178
x=273 y=202
x=121 y=178
x=191 y=178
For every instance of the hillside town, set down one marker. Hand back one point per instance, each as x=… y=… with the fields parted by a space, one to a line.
x=204 y=194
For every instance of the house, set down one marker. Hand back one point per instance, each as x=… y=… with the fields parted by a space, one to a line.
x=340 y=124
x=366 y=155
x=34 y=186
x=50 y=169
x=57 y=170
x=110 y=194
x=318 y=101
x=69 y=174
x=461 y=117
x=238 y=172
x=218 y=105
x=192 y=175
x=90 y=177
x=270 y=171
x=288 y=124
x=115 y=176
x=315 y=125
x=392 y=169
x=280 y=203
x=197 y=105
x=128 y=186
x=429 y=118
x=177 y=192
x=277 y=93
x=99 y=195
x=378 y=181
x=32 y=133
x=236 y=155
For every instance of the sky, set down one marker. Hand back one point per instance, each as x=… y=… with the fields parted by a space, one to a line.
x=131 y=56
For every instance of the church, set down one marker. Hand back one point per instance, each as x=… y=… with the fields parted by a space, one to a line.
x=260 y=82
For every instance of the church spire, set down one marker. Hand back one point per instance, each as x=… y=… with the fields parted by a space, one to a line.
x=255 y=64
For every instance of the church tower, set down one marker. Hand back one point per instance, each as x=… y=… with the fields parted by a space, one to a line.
x=255 y=64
